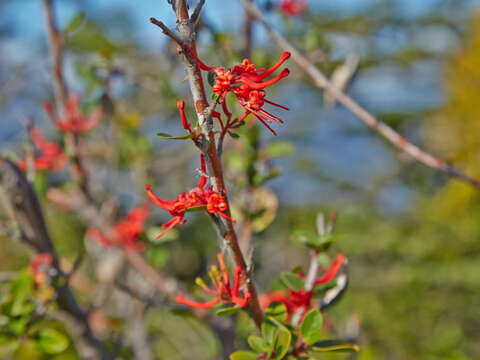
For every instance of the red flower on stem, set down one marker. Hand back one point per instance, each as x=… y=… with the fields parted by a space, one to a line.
x=199 y=198
x=39 y=265
x=124 y=233
x=248 y=84
x=302 y=299
x=292 y=7
x=222 y=291
x=51 y=156
x=74 y=121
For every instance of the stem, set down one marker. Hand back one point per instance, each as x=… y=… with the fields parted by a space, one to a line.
x=72 y=140
x=322 y=82
x=209 y=148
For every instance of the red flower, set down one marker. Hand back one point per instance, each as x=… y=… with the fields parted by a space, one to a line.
x=248 y=84
x=51 y=156
x=125 y=233
x=199 y=198
x=222 y=291
x=302 y=299
x=39 y=266
x=292 y=7
x=74 y=121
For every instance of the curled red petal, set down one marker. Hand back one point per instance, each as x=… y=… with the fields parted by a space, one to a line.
x=198 y=305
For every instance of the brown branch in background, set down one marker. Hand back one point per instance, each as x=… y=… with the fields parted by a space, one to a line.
x=72 y=140
x=321 y=81
x=29 y=216
x=247 y=35
x=186 y=26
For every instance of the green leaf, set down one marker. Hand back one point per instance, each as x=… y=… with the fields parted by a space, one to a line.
x=170 y=137
x=277 y=149
x=311 y=328
x=282 y=341
x=75 y=23
x=228 y=311
x=211 y=78
x=233 y=135
x=259 y=344
x=52 y=341
x=277 y=311
x=243 y=355
x=333 y=345
x=292 y=281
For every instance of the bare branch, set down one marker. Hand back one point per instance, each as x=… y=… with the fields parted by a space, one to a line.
x=321 y=81
x=195 y=18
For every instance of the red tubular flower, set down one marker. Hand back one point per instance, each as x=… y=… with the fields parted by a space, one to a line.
x=302 y=299
x=248 y=84
x=125 y=233
x=51 y=156
x=74 y=121
x=222 y=291
x=39 y=266
x=332 y=270
x=199 y=198
x=292 y=7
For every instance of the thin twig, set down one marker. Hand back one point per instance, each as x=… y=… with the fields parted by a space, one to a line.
x=71 y=140
x=195 y=18
x=321 y=81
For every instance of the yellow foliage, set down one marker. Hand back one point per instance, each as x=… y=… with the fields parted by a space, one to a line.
x=455 y=130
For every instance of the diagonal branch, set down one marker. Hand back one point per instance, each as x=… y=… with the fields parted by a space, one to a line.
x=321 y=81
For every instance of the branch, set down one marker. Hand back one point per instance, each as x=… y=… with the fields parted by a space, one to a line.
x=32 y=223
x=71 y=140
x=321 y=81
x=208 y=146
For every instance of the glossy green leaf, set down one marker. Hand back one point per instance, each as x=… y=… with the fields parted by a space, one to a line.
x=243 y=355
x=52 y=341
x=170 y=137
x=233 y=135
x=292 y=281
x=211 y=78
x=282 y=342
x=311 y=328
x=277 y=311
x=259 y=344
x=228 y=311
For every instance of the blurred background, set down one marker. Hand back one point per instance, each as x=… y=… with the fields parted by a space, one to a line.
x=412 y=234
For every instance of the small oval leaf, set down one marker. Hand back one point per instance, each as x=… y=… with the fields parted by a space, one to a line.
x=52 y=341
x=311 y=328
x=170 y=137
x=259 y=344
x=228 y=311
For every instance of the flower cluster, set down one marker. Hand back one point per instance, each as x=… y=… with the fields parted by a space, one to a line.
x=292 y=7
x=222 y=291
x=124 y=233
x=40 y=266
x=74 y=121
x=50 y=156
x=296 y=300
x=248 y=84
x=199 y=198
